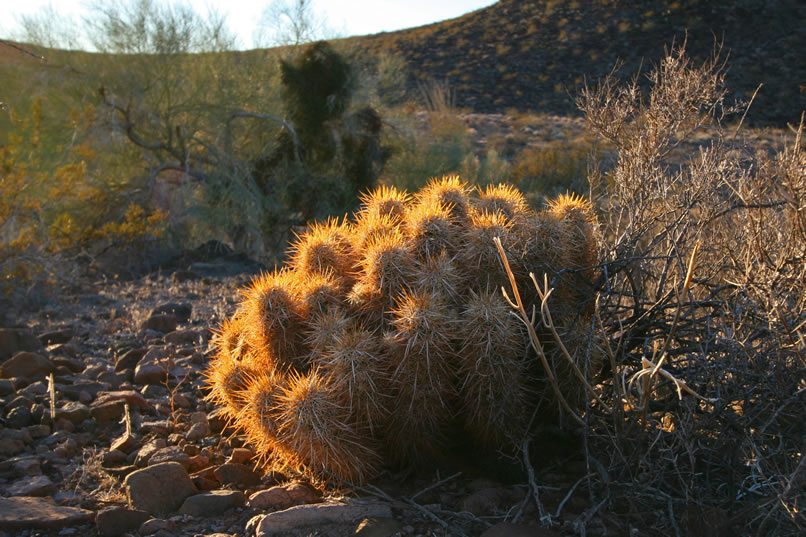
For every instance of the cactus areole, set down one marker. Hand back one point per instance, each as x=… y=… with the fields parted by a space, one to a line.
x=387 y=338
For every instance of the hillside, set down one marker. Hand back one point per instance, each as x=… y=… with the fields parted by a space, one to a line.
x=534 y=55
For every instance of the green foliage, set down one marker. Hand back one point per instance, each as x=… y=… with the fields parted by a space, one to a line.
x=55 y=200
x=556 y=167
x=329 y=156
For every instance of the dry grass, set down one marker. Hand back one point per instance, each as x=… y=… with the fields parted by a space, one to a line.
x=695 y=424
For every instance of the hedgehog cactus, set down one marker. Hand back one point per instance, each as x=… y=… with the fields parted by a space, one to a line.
x=388 y=329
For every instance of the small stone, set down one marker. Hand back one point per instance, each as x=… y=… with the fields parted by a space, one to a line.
x=38 y=485
x=283 y=496
x=189 y=336
x=19 y=417
x=26 y=364
x=170 y=454
x=73 y=412
x=180 y=311
x=151 y=369
x=125 y=442
x=378 y=527
x=320 y=515
x=240 y=455
x=211 y=503
x=116 y=521
x=150 y=527
x=161 y=322
x=198 y=462
x=11 y=446
x=39 y=430
x=113 y=457
x=198 y=431
x=159 y=489
x=26 y=513
x=6 y=387
x=157 y=427
x=231 y=473
x=129 y=359
x=145 y=453
x=14 y=340
x=107 y=411
x=54 y=337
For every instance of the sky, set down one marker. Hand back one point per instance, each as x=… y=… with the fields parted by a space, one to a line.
x=342 y=17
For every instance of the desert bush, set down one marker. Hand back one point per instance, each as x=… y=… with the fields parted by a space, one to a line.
x=55 y=202
x=555 y=167
x=701 y=303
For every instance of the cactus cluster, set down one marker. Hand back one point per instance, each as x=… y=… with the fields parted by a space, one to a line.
x=387 y=334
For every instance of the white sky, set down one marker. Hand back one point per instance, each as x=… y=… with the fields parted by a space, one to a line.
x=345 y=17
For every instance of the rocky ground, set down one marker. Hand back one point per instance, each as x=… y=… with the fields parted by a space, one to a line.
x=104 y=431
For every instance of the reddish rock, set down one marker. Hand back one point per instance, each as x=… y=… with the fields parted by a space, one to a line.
x=38 y=485
x=26 y=364
x=170 y=454
x=129 y=359
x=161 y=322
x=231 y=473
x=211 y=503
x=240 y=455
x=27 y=513
x=125 y=442
x=116 y=521
x=283 y=496
x=189 y=336
x=159 y=489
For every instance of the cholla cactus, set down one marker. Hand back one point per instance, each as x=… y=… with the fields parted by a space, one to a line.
x=388 y=329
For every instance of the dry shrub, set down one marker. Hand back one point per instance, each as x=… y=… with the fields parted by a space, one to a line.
x=702 y=307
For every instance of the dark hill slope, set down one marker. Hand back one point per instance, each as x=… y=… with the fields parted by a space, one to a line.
x=534 y=54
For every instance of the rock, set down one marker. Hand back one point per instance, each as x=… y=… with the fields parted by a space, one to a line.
x=284 y=496
x=161 y=322
x=490 y=500
x=211 y=503
x=240 y=455
x=321 y=515
x=198 y=431
x=54 y=337
x=113 y=457
x=145 y=453
x=39 y=430
x=116 y=521
x=6 y=387
x=26 y=364
x=184 y=337
x=232 y=473
x=125 y=442
x=11 y=446
x=73 y=365
x=150 y=527
x=18 y=417
x=159 y=489
x=26 y=465
x=507 y=529
x=378 y=527
x=157 y=427
x=26 y=513
x=150 y=369
x=170 y=454
x=38 y=485
x=73 y=412
x=107 y=410
x=14 y=340
x=180 y=311
x=129 y=359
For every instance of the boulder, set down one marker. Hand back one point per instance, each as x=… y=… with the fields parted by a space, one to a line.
x=159 y=489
